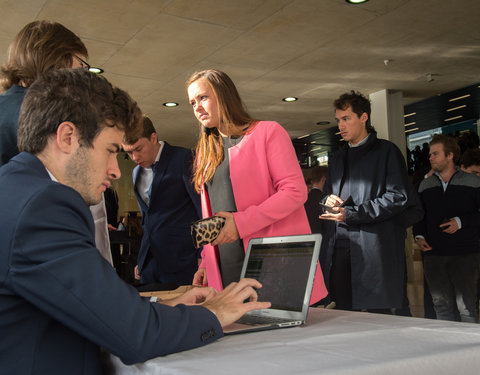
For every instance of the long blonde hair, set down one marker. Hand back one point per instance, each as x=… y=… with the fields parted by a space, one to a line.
x=232 y=114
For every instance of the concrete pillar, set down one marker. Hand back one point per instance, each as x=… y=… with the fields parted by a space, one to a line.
x=387 y=117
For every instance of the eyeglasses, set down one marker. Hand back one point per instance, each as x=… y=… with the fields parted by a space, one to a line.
x=85 y=65
x=90 y=68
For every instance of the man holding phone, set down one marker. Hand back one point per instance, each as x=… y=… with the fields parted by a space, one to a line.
x=449 y=233
x=363 y=257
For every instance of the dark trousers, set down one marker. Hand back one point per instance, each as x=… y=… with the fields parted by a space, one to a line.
x=341 y=279
x=452 y=281
x=341 y=282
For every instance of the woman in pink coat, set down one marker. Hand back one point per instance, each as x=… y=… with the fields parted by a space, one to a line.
x=247 y=172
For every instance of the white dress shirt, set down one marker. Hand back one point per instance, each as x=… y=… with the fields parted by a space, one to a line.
x=145 y=178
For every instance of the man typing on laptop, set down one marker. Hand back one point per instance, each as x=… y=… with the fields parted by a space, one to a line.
x=60 y=300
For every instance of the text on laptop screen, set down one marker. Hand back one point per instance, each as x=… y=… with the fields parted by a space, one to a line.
x=283 y=271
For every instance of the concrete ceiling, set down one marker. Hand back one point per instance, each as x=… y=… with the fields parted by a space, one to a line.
x=312 y=49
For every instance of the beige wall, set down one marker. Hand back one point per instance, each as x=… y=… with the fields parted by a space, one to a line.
x=124 y=186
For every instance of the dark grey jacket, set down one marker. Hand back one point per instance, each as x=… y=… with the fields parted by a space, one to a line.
x=375 y=223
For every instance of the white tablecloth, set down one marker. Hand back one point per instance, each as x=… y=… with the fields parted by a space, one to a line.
x=333 y=342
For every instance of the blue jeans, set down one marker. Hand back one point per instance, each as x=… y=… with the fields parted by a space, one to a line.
x=452 y=281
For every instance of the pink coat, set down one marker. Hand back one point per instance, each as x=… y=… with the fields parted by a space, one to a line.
x=269 y=192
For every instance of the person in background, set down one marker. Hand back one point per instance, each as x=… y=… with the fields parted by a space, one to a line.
x=470 y=161
x=367 y=187
x=111 y=207
x=60 y=301
x=449 y=233
x=247 y=172
x=315 y=195
x=41 y=46
x=169 y=204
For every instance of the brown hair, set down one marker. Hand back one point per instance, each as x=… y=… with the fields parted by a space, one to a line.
x=144 y=130
x=39 y=47
x=359 y=104
x=470 y=157
x=232 y=114
x=449 y=145
x=86 y=99
x=318 y=172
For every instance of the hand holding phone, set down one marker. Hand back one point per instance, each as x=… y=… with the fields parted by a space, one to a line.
x=445 y=224
x=328 y=208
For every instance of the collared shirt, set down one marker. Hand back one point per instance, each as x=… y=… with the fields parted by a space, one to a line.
x=145 y=178
x=444 y=184
x=362 y=142
x=52 y=177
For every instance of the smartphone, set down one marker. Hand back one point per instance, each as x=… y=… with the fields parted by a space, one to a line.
x=443 y=222
x=328 y=208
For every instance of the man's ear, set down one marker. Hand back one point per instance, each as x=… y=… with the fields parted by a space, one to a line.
x=154 y=137
x=364 y=117
x=67 y=137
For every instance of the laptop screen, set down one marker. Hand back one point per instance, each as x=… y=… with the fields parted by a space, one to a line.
x=283 y=270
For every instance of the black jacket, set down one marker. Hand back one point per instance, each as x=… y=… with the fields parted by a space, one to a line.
x=462 y=199
x=378 y=186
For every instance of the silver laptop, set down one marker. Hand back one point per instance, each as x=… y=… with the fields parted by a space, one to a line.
x=286 y=268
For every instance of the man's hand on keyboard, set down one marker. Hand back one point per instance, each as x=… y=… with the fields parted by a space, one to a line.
x=229 y=304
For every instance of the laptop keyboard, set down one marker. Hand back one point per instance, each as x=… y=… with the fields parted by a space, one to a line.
x=255 y=319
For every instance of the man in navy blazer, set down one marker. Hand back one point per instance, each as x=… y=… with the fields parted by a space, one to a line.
x=60 y=300
x=169 y=204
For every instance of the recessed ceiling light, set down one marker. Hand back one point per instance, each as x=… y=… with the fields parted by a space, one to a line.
x=356 y=1
x=290 y=99
x=323 y=123
x=95 y=70
x=170 y=104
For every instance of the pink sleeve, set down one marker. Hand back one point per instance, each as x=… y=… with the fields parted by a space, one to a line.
x=282 y=189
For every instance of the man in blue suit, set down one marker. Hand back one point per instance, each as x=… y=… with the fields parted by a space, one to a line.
x=60 y=300
x=169 y=204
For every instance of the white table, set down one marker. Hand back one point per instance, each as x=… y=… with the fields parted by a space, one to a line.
x=333 y=342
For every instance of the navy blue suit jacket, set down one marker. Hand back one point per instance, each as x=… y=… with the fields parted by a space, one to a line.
x=60 y=300
x=167 y=254
x=10 y=103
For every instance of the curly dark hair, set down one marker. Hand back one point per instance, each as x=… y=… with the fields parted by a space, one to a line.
x=76 y=95
x=359 y=104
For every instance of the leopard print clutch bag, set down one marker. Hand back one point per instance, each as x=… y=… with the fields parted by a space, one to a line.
x=205 y=231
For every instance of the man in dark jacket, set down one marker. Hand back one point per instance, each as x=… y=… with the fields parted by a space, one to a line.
x=169 y=203
x=363 y=258
x=449 y=233
x=316 y=194
x=60 y=301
